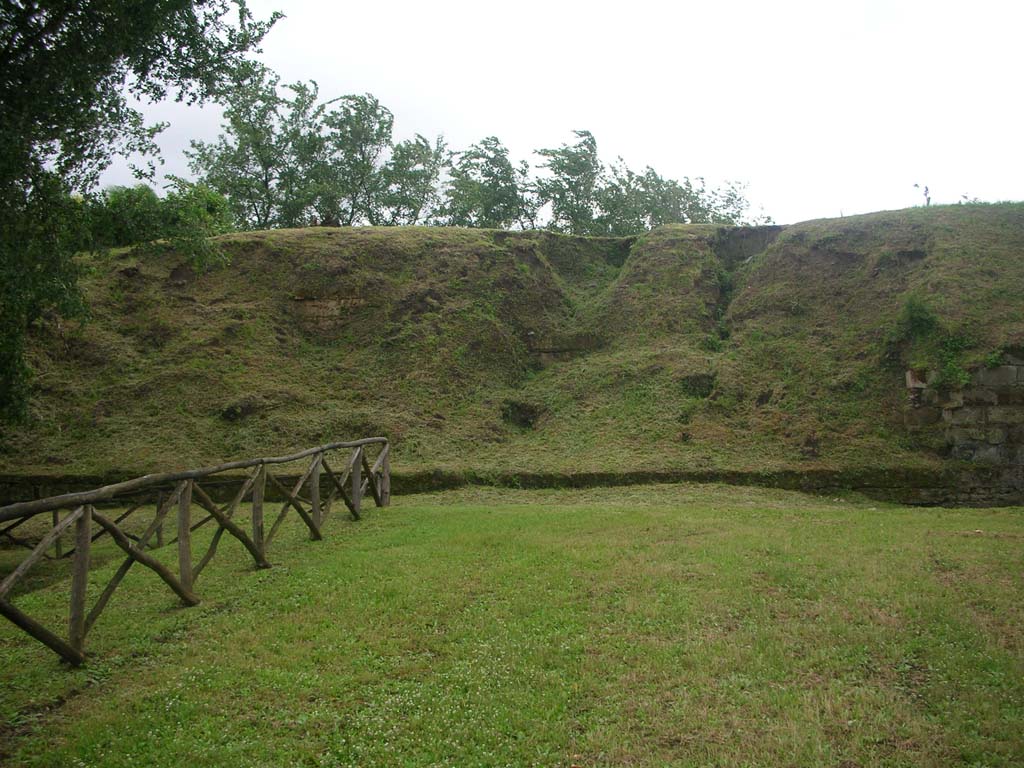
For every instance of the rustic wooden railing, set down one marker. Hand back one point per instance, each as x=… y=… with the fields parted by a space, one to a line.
x=183 y=491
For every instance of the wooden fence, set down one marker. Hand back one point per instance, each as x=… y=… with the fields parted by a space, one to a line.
x=182 y=492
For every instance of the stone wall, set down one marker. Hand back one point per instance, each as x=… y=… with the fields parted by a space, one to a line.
x=984 y=421
x=983 y=425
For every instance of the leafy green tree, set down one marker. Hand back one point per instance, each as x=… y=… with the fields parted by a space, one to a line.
x=301 y=153
x=357 y=136
x=623 y=201
x=68 y=70
x=40 y=230
x=630 y=202
x=408 y=189
x=186 y=218
x=124 y=216
x=191 y=214
x=292 y=160
x=486 y=190
x=246 y=163
x=572 y=184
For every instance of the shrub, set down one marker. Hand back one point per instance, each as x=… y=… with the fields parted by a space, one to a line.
x=917 y=321
x=926 y=343
x=186 y=218
x=125 y=216
x=191 y=215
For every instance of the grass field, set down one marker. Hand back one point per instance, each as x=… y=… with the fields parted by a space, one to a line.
x=683 y=625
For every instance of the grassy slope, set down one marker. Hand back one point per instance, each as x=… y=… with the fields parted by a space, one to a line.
x=685 y=353
x=684 y=625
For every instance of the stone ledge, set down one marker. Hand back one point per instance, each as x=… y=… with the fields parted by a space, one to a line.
x=999 y=376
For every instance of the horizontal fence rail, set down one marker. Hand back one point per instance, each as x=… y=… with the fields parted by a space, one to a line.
x=173 y=497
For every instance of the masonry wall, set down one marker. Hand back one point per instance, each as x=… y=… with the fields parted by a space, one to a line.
x=985 y=421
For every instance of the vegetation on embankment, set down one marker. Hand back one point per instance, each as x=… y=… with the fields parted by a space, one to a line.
x=647 y=626
x=692 y=348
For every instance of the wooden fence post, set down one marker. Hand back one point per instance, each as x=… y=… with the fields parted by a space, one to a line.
x=357 y=480
x=185 y=537
x=314 y=495
x=385 y=477
x=80 y=579
x=58 y=550
x=160 y=525
x=258 y=489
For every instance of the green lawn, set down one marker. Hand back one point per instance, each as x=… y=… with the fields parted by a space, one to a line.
x=665 y=625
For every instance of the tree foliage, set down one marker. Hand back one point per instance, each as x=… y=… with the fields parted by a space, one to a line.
x=185 y=219
x=121 y=216
x=588 y=198
x=408 y=191
x=38 y=235
x=571 y=186
x=630 y=202
x=485 y=189
x=292 y=160
x=248 y=168
x=356 y=136
x=66 y=70
x=191 y=215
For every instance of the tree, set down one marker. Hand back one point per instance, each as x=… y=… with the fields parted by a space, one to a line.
x=186 y=218
x=41 y=227
x=572 y=184
x=357 y=135
x=486 y=190
x=624 y=202
x=292 y=160
x=190 y=215
x=300 y=153
x=245 y=163
x=630 y=202
x=124 y=216
x=66 y=69
x=586 y=198
x=407 y=192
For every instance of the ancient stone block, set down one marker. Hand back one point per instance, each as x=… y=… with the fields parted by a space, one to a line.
x=1005 y=414
x=951 y=399
x=963 y=452
x=990 y=454
x=914 y=381
x=922 y=417
x=1014 y=396
x=1000 y=376
x=967 y=415
x=995 y=435
x=982 y=453
x=979 y=396
x=962 y=435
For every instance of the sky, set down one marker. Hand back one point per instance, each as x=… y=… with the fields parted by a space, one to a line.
x=822 y=108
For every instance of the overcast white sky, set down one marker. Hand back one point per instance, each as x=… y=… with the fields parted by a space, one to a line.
x=823 y=108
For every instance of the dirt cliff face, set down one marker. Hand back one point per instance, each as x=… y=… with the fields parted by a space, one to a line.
x=690 y=349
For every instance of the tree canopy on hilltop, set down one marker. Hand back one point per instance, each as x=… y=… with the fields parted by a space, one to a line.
x=67 y=70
